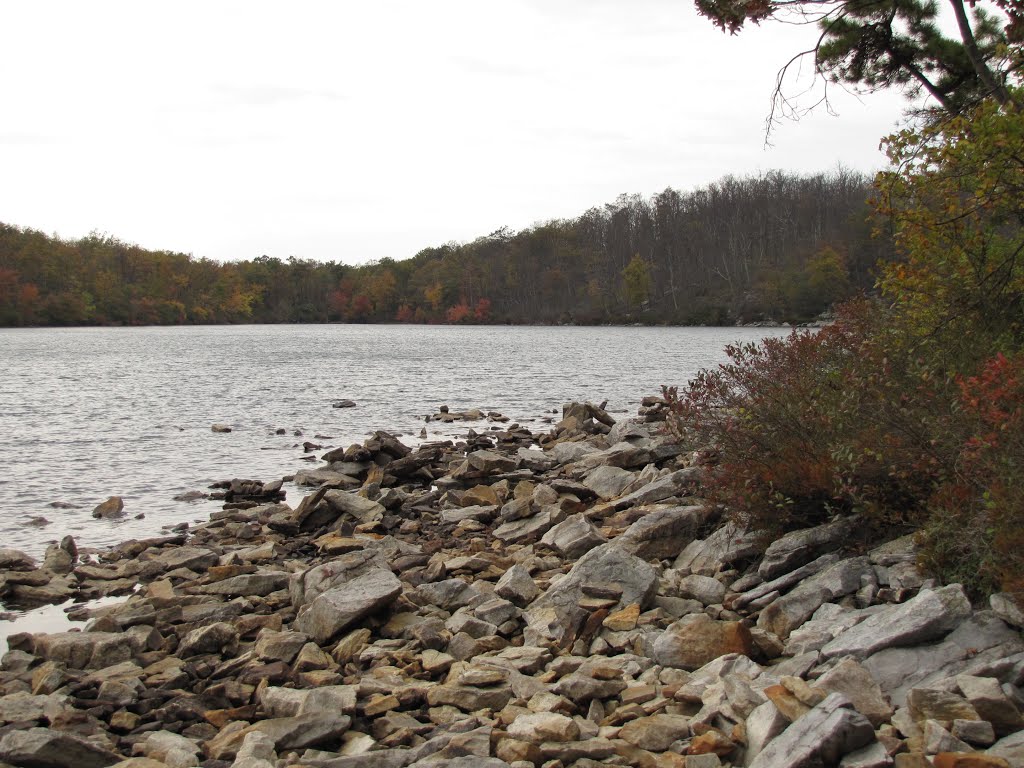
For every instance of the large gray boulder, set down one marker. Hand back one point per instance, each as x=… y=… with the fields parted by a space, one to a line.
x=721 y=549
x=794 y=608
x=799 y=547
x=609 y=482
x=336 y=609
x=979 y=644
x=557 y=612
x=821 y=737
x=662 y=533
x=675 y=484
x=573 y=537
x=926 y=617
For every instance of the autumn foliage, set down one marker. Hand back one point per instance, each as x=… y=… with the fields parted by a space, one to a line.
x=909 y=410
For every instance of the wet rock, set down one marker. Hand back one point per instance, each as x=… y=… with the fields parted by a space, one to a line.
x=112 y=508
x=343 y=404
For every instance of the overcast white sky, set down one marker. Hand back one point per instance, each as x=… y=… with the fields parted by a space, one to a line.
x=356 y=131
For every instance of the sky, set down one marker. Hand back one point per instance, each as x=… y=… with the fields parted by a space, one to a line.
x=343 y=131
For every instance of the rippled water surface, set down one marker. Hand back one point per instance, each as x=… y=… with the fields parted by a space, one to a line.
x=88 y=413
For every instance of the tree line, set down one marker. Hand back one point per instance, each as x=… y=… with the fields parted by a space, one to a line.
x=775 y=246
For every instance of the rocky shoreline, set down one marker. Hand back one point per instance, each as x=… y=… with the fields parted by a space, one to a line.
x=513 y=599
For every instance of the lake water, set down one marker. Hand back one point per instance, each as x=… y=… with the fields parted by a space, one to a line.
x=87 y=413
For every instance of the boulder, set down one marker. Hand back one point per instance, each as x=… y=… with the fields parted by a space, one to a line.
x=821 y=737
x=539 y=727
x=663 y=533
x=799 y=547
x=517 y=586
x=573 y=537
x=337 y=609
x=728 y=545
x=557 y=613
x=47 y=748
x=110 y=509
x=609 y=482
x=794 y=608
x=696 y=640
x=928 y=616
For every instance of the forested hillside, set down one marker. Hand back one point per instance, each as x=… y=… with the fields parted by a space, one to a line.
x=775 y=246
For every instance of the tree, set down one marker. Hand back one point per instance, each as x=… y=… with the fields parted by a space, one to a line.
x=875 y=44
x=637 y=279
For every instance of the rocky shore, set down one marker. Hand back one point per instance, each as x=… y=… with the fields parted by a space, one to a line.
x=513 y=599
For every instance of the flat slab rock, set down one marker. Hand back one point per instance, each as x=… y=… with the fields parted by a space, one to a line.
x=336 y=609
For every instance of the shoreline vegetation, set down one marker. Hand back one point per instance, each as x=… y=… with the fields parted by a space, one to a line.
x=508 y=599
x=775 y=247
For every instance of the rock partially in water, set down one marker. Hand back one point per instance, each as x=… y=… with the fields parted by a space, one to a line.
x=110 y=509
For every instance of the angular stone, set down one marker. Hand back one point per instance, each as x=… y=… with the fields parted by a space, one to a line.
x=219 y=637
x=46 y=748
x=674 y=484
x=539 y=727
x=721 y=549
x=529 y=529
x=23 y=707
x=822 y=736
x=573 y=537
x=794 y=608
x=336 y=609
x=981 y=639
x=517 y=586
x=968 y=760
x=624 y=620
x=655 y=733
x=696 y=640
x=929 y=615
x=556 y=613
x=799 y=547
x=1006 y=608
x=248 y=584
x=931 y=704
x=279 y=646
x=86 y=650
x=663 y=533
x=582 y=688
x=469 y=699
x=709 y=591
x=852 y=680
x=762 y=725
x=871 y=756
x=987 y=697
x=361 y=508
x=609 y=482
